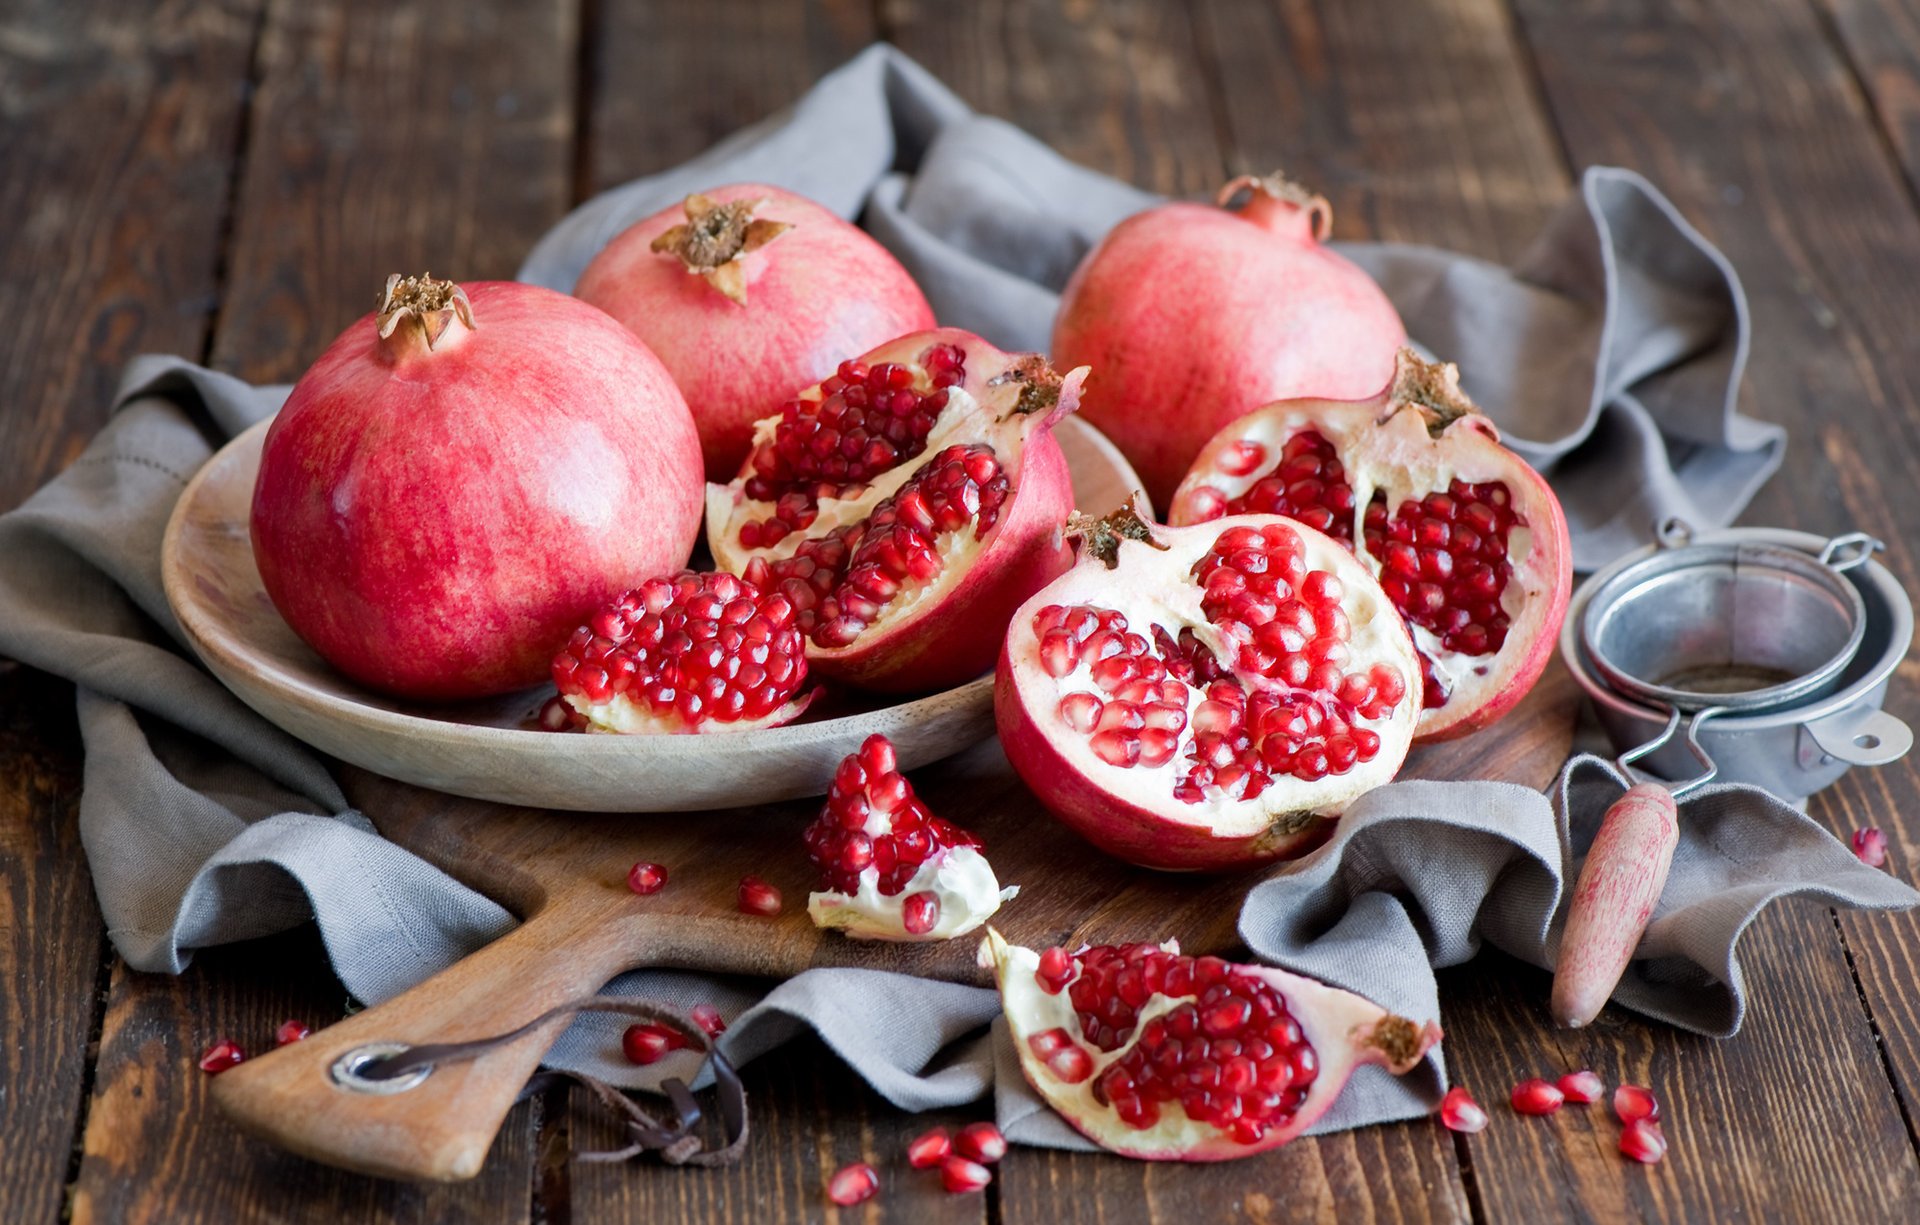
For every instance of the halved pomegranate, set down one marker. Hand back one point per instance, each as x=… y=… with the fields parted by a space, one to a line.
x=1467 y=539
x=1156 y=1055
x=1206 y=697
x=905 y=506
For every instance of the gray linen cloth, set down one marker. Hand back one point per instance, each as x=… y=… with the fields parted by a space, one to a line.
x=1611 y=355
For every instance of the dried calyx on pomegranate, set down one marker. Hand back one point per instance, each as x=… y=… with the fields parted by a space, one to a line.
x=1206 y=697
x=691 y=653
x=889 y=869
x=1157 y=1055
x=1468 y=541
x=905 y=506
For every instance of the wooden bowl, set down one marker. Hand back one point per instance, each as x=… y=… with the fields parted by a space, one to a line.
x=490 y=749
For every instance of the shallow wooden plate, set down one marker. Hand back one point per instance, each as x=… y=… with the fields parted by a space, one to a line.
x=489 y=750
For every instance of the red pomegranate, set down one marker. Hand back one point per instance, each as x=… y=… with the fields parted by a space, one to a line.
x=906 y=506
x=745 y=293
x=1161 y=1056
x=1206 y=697
x=462 y=477
x=1190 y=315
x=1467 y=540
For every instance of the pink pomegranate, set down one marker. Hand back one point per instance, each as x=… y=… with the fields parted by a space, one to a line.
x=905 y=506
x=462 y=477
x=1157 y=1055
x=747 y=292
x=1468 y=540
x=1191 y=314
x=1206 y=697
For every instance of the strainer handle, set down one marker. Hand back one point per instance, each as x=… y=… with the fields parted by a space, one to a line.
x=1709 y=769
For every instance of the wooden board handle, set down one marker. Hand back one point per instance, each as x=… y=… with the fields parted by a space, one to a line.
x=440 y=1129
x=1619 y=886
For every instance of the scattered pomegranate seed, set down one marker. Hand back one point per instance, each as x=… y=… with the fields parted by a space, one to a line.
x=758 y=897
x=920 y=912
x=1536 y=1096
x=648 y=1043
x=222 y=1055
x=1643 y=1141
x=290 y=1032
x=1583 y=1086
x=646 y=877
x=853 y=1184
x=1631 y=1102
x=1460 y=1112
x=980 y=1142
x=1870 y=845
x=708 y=1018
x=960 y=1175
x=928 y=1149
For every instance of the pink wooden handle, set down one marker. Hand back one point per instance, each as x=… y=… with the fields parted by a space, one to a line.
x=1619 y=886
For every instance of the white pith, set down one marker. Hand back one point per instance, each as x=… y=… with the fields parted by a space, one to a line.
x=961 y=879
x=1154 y=587
x=623 y=715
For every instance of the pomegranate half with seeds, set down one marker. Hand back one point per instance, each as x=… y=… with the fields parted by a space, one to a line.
x=1206 y=697
x=1161 y=1056
x=1466 y=538
x=905 y=506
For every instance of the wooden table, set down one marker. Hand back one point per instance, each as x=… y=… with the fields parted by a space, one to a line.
x=232 y=180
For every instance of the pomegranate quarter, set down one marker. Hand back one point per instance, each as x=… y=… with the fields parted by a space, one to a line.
x=1467 y=539
x=1206 y=697
x=905 y=507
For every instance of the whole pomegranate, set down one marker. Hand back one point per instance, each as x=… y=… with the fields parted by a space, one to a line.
x=906 y=506
x=745 y=293
x=1467 y=539
x=1157 y=1055
x=1206 y=697
x=1191 y=314
x=462 y=478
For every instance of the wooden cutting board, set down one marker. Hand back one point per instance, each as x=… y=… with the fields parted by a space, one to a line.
x=564 y=874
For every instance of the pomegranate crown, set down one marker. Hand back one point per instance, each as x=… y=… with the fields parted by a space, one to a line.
x=1274 y=200
x=410 y=302
x=715 y=237
x=1100 y=537
x=1433 y=388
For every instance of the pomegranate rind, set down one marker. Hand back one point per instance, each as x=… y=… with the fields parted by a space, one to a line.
x=1386 y=444
x=1131 y=813
x=948 y=630
x=1345 y=1030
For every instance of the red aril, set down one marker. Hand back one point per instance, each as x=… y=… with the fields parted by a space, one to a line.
x=853 y=1184
x=1536 y=1096
x=462 y=477
x=1643 y=1141
x=649 y=1043
x=1467 y=539
x=1583 y=1086
x=1156 y=1055
x=1632 y=1102
x=1459 y=1112
x=1200 y=698
x=224 y=1054
x=644 y=877
x=290 y=1032
x=1191 y=314
x=960 y=1176
x=746 y=292
x=889 y=868
x=708 y=1018
x=905 y=506
x=1870 y=846
x=929 y=1149
x=758 y=897
x=980 y=1142
x=691 y=653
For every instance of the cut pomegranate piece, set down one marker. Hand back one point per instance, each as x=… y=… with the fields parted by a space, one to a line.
x=1870 y=845
x=758 y=897
x=644 y=878
x=1536 y=1096
x=1643 y=1141
x=960 y=1176
x=1582 y=1086
x=1461 y=1113
x=1157 y=1055
x=929 y=1149
x=905 y=506
x=980 y=1142
x=1468 y=541
x=1199 y=698
x=290 y=1032
x=222 y=1055
x=691 y=653
x=1632 y=1102
x=889 y=869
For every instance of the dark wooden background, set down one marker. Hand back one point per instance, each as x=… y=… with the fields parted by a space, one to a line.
x=231 y=181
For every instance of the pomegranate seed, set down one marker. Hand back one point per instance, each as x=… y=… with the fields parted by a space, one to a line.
x=959 y=1175
x=556 y=715
x=222 y=1055
x=1870 y=845
x=1632 y=1102
x=647 y=1043
x=1460 y=1112
x=1643 y=1141
x=708 y=1018
x=928 y=1149
x=1062 y=1055
x=1536 y=1096
x=646 y=877
x=853 y=1184
x=920 y=912
x=758 y=897
x=1582 y=1086
x=290 y=1032
x=1056 y=967
x=980 y=1142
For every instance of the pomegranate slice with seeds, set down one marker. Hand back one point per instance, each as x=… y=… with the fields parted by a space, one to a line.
x=1205 y=697
x=1157 y=1055
x=905 y=506
x=691 y=653
x=889 y=869
x=1468 y=541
